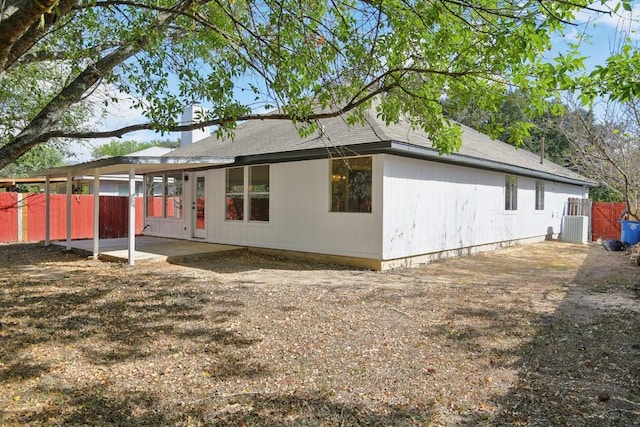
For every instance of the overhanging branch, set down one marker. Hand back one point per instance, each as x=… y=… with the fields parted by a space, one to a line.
x=118 y=133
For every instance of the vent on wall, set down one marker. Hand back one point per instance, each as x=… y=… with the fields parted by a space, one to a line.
x=575 y=229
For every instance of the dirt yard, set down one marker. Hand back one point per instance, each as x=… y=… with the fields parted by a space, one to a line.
x=536 y=335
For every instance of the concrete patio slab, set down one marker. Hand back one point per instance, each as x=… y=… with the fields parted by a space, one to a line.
x=148 y=248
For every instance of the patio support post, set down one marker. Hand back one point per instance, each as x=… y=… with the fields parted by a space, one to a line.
x=96 y=213
x=132 y=216
x=69 y=183
x=47 y=211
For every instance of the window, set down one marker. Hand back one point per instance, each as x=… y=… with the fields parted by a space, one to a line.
x=234 y=190
x=164 y=195
x=351 y=184
x=259 y=193
x=510 y=192
x=123 y=189
x=173 y=199
x=154 y=195
x=539 y=195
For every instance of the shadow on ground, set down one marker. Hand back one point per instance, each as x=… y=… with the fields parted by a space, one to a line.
x=245 y=260
x=583 y=366
x=89 y=407
x=579 y=365
x=108 y=317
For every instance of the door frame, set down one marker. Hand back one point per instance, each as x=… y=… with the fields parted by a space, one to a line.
x=198 y=232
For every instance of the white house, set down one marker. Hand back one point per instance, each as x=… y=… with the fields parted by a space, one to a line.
x=368 y=195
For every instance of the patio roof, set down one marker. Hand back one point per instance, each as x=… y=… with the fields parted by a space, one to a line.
x=130 y=165
x=140 y=164
x=6 y=182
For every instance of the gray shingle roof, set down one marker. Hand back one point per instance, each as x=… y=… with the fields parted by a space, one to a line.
x=268 y=137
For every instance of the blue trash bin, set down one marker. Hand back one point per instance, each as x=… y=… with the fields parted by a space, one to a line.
x=630 y=232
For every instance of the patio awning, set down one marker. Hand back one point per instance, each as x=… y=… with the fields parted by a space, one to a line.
x=141 y=165
x=130 y=165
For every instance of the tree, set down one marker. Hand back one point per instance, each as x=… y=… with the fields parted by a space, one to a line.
x=513 y=123
x=23 y=93
x=121 y=148
x=39 y=157
x=608 y=150
x=297 y=56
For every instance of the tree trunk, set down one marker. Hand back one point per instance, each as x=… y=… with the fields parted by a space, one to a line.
x=17 y=23
x=37 y=131
x=33 y=34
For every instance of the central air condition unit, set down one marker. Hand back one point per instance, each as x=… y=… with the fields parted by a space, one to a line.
x=575 y=229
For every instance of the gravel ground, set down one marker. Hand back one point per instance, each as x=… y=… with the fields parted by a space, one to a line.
x=542 y=334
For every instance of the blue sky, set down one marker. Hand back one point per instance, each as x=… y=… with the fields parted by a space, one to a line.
x=603 y=32
x=602 y=39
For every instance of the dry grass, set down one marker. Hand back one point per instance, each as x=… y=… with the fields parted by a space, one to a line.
x=542 y=334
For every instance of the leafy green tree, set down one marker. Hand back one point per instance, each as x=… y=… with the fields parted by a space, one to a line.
x=121 y=148
x=602 y=193
x=25 y=92
x=608 y=149
x=513 y=123
x=40 y=157
x=235 y=56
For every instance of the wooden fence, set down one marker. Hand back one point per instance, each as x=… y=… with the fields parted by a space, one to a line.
x=22 y=217
x=578 y=206
x=604 y=222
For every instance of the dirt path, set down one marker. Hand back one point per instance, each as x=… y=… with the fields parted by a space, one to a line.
x=542 y=334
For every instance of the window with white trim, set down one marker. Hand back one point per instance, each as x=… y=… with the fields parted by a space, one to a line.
x=164 y=195
x=351 y=183
x=259 y=193
x=539 y=195
x=234 y=192
x=510 y=192
x=256 y=193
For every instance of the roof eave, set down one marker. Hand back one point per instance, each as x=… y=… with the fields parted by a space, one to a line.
x=407 y=150
x=141 y=164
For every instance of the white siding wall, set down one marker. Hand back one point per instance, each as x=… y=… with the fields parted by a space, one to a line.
x=166 y=227
x=429 y=207
x=432 y=207
x=299 y=214
x=175 y=228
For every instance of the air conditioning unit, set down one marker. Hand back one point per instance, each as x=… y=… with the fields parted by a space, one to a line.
x=575 y=229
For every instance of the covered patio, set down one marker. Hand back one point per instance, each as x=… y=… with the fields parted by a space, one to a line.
x=129 y=165
x=149 y=249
